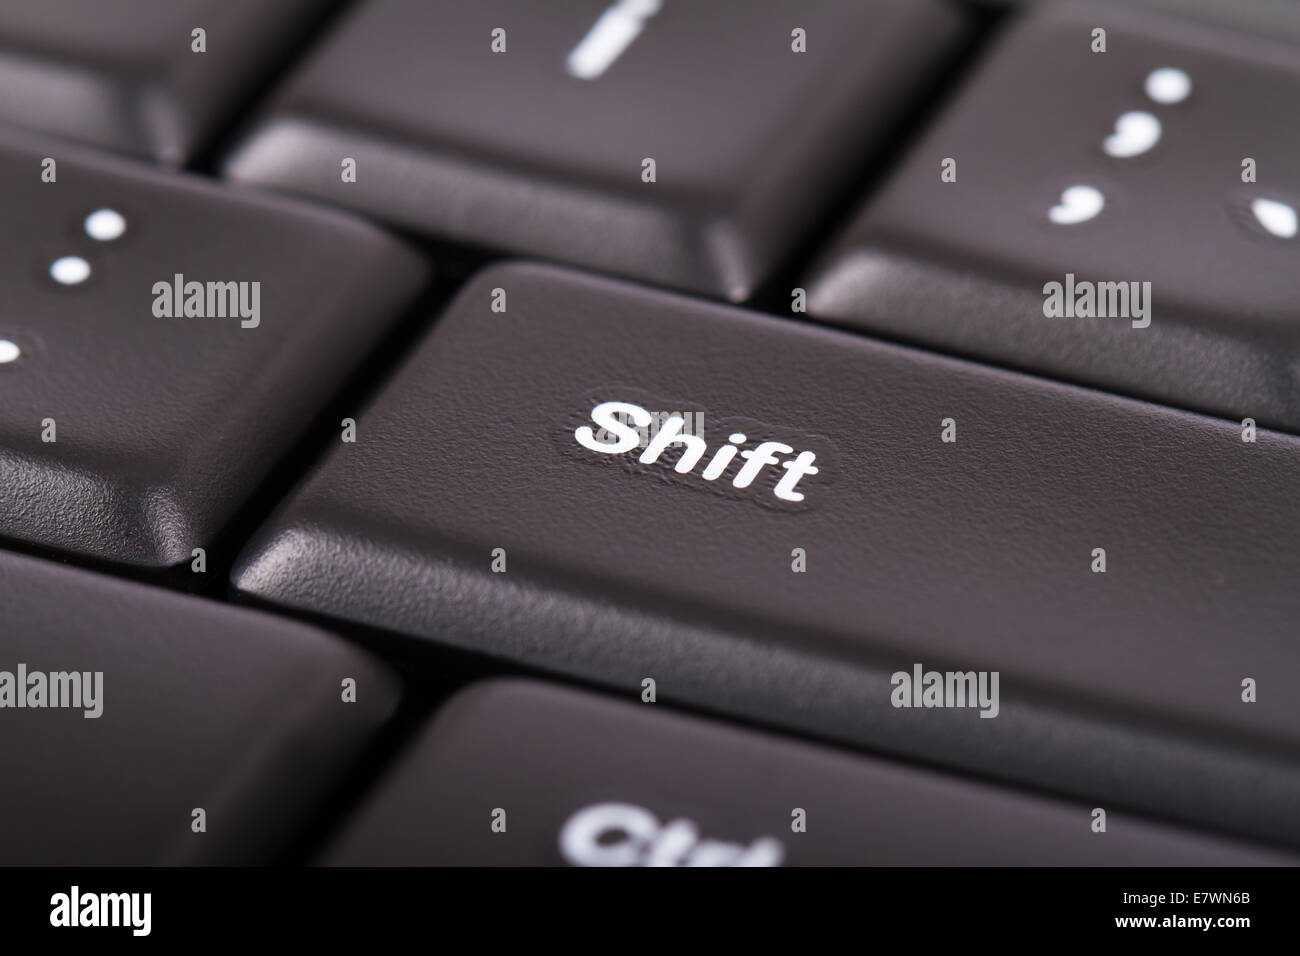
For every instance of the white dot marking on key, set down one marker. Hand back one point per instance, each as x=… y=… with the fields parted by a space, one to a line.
x=1136 y=132
x=105 y=225
x=1278 y=218
x=1078 y=204
x=9 y=352
x=1168 y=85
x=70 y=270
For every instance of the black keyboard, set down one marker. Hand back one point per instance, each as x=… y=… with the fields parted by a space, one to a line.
x=649 y=433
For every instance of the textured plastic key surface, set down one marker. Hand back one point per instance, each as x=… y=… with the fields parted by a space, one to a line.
x=1163 y=126
x=1123 y=686
x=540 y=148
x=581 y=779
x=132 y=437
x=130 y=77
x=199 y=706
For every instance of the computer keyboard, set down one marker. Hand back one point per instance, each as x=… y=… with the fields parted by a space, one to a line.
x=649 y=433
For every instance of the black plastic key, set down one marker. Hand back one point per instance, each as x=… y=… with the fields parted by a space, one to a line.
x=162 y=343
x=152 y=78
x=140 y=727
x=522 y=773
x=532 y=128
x=1124 y=218
x=803 y=530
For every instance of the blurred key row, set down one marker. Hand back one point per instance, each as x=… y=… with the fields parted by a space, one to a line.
x=264 y=717
x=1108 y=196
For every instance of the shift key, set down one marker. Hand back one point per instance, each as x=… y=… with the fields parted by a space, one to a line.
x=693 y=503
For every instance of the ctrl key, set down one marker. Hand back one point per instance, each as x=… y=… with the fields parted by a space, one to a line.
x=518 y=772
